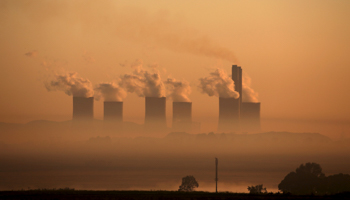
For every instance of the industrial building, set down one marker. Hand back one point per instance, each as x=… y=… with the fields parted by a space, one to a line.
x=182 y=116
x=250 y=116
x=113 y=111
x=229 y=108
x=228 y=114
x=235 y=115
x=83 y=108
x=237 y=79
x=155 y=118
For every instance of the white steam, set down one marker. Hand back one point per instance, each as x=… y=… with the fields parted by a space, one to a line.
x=71 y=84
x=177 y=90
x=219 y=84
x=109 y=92
x=143 y=83
x=248 y=94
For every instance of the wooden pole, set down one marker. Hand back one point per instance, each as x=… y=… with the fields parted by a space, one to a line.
x=216 y=174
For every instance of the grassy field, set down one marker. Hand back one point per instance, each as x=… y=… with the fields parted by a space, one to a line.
x=149 y=195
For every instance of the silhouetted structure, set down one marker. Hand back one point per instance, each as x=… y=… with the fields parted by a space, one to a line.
x=248 y=112
x=216 y=175
x=113 y=111
x=228 y=114
x=229 y=108
x=188 y=184
x=258 y=189
x=182 y=116
x=83 y=108
x=250 y=116
x=309 y=179
x=237 y=79
x=155 y=118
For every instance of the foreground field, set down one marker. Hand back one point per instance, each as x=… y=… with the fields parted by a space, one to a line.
x=150 y=195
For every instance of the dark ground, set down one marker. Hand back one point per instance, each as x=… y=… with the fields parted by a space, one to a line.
x=150 y=195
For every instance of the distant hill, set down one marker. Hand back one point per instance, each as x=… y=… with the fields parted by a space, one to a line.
x=128 y=136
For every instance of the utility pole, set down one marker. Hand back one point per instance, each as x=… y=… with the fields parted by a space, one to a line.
x=216 y=174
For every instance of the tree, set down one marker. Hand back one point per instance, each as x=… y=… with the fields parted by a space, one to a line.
x=336 y=183
x=188 y=184
x=258 y=189
x=305 y=180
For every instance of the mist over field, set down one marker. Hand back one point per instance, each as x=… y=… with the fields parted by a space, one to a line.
x=46 y=154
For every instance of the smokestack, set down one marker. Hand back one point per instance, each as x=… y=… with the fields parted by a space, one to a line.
x=182 y=116
x=237 y=79
x=155 y=111
x=113 y=111
x=250 y=116
x=83 y=108
x=228 y=114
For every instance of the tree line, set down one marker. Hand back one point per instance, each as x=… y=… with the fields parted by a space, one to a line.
x=307 y=179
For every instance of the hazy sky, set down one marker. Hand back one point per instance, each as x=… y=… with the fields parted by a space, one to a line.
x=296 y=53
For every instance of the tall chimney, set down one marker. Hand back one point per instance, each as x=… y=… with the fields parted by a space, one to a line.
x=250 y=116
x=83 y=108
x=155 y=111
x=113 y=111
x=182 y=116
x=237 y=79
x=228 y=114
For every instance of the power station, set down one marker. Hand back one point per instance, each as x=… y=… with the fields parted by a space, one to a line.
x=113 y=111
x=234 y=115
x=182 y=116
x=83 y=108
x=155 y=113
x=229 y=113
x=250 y=116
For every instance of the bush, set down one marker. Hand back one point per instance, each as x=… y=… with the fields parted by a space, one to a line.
x=258 y=189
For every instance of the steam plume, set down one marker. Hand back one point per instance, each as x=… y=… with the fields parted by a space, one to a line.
x=109 y=92
x=178 y=90
x=143 y=83
x=88 y=58
x=161 y=30
x=31 y=53
x=248 y=94
x=219 y=84
x=71 y=84
x=126 y=22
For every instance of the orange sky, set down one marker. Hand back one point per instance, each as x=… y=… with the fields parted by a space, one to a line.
x=296 y=53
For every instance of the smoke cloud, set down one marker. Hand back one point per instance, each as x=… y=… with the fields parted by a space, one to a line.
x=143 y=83
x=126 y=22
x=219 y=84
x=168 y=33
x=109 y=92
x=71 y=84
x=31 y=53
x=88 y=58
x=248 y=94
x=178 y=90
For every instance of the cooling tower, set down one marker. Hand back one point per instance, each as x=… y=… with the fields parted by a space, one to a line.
x=182 y=111
x=155 y=112
x=250 y=116
x=83 y=108
x=182 y=116
x=229 y=111
x=113 y=111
